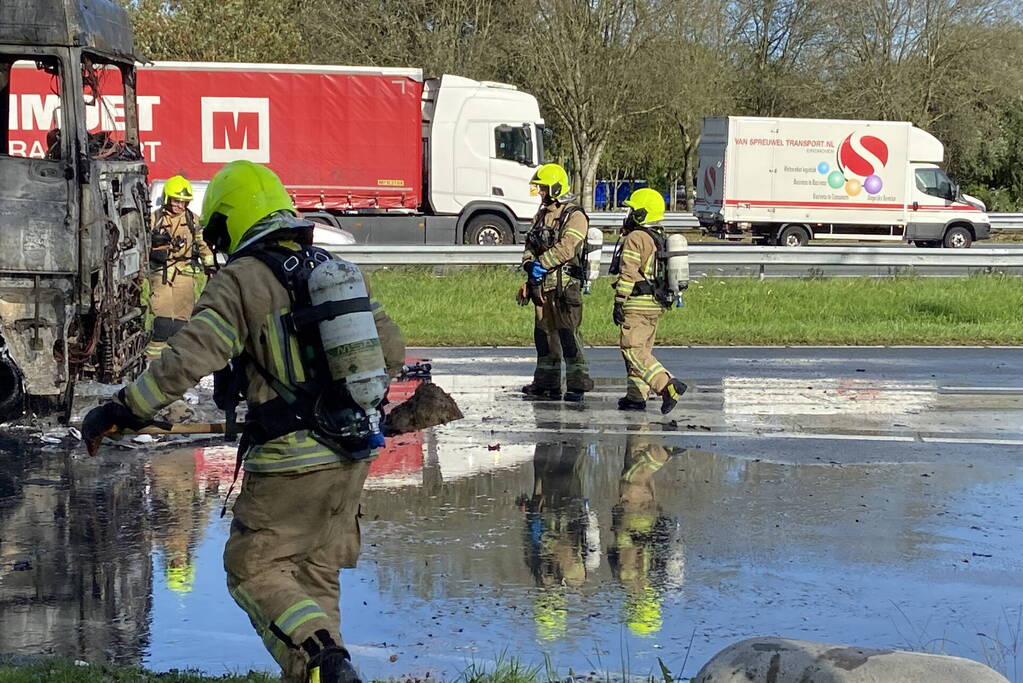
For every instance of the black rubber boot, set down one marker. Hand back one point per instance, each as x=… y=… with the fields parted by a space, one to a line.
x=533 y=391
x=574 y=396
x=626 y=403
x=671 y=394
x=332 y=665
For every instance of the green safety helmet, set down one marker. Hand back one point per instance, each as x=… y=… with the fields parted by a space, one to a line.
x=240 y=195
x=647 y=206
x=177 y=187
x=554 y=177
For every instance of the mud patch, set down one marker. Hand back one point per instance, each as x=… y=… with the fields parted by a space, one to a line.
x=430 y=406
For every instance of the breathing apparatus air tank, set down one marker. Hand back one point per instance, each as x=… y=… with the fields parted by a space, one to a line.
x=352 y=347
x=678 y=266
x=594 y=245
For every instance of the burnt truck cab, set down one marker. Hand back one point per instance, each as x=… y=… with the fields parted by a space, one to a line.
x=74 y=235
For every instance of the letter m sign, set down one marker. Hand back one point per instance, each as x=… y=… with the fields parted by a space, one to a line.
x=235 y=128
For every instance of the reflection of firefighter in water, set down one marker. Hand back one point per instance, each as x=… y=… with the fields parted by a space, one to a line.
x=645 y=552
x=562 y=536
x=180 y=513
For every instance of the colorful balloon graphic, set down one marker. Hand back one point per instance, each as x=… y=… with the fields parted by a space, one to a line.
x=872 y=184
x=853 y=187
x=823 y=168
x=836 y=179
x=862 y=155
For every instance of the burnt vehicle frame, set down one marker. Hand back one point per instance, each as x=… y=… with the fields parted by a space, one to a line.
x=74 y=235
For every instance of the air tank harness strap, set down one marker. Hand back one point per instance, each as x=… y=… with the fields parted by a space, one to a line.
x=325 y=311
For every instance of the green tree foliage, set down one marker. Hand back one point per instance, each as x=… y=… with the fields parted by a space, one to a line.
x=626 y=83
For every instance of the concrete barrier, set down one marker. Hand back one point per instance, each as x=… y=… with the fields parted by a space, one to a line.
x=780 y=660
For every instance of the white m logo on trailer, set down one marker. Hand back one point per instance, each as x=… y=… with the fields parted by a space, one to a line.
x=235 y=128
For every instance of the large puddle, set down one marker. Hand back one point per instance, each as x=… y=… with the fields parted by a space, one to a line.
x=583 y=539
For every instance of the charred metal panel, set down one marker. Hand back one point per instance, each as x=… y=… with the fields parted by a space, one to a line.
x=35 y=232
x=33 y=322
x=98 y=24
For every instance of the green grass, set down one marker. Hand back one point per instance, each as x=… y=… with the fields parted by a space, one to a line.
x=56 y=670
x=476 y=307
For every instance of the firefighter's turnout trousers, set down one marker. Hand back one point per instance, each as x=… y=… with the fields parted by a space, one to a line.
x=290 y=535
x=557 y=339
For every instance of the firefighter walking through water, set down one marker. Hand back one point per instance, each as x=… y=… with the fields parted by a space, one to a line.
x=554 y=263
x=178 y=262
x=306 y=445
x=642 y=295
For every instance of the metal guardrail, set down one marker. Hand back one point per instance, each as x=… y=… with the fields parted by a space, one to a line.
x=687 y=221
x=730 y=260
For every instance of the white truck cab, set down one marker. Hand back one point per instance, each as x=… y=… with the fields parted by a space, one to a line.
x=484 y=141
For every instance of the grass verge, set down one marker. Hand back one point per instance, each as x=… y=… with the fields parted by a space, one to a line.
x=58 y=670
x=476 y=307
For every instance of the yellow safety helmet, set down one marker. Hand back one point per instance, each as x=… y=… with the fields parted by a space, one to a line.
x=180 y=579
x=240 y=195
x=647 y=206
x=177 y=187
x=554 y=177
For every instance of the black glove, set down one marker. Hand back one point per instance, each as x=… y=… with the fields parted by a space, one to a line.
x=108 y=418
x=528 y=267
x=160 y=251
x=618 y=313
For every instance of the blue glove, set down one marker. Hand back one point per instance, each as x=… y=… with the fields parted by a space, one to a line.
x=537 y=271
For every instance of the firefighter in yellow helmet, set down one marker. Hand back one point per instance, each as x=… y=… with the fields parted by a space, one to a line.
x=178 y=261
x=637 y=308
x=295 y=520
x=554 y=261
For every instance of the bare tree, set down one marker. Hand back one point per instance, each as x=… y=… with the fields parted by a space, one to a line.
x=584 y=60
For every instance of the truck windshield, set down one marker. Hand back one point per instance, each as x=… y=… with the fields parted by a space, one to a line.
x=513 y=143
x=109 y=105
x=934 y=182
x=30 y=90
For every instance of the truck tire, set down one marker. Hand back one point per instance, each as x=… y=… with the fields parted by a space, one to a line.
x=958 y=237
x=793 y=236
x=488 y=229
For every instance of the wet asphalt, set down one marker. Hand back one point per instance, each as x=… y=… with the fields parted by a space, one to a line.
x=858 y=495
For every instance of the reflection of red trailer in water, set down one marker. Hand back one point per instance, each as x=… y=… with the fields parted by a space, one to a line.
x=403 y=455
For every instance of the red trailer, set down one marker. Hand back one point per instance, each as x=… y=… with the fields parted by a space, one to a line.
x=417 y=160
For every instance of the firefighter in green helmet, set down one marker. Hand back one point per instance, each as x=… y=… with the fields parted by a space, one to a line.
x=295 y=520
x=554 y=263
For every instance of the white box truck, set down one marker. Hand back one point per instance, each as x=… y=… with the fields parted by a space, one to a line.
x=786 y=181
